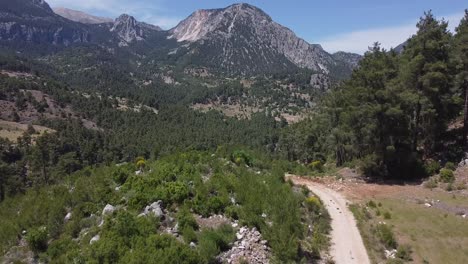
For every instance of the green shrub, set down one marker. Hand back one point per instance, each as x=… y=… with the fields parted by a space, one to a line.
x=404 y=252
x=431 y=183
x=186 y=219
x=212 y=242
x=449 y=187
x=432 y=167
x=371 y=204
x=232 y=211
x=120 y=175
x=240 y=157
x=313 y=204
x=446 y=175
x=37 y=239
x=450 y=166
x=177 y=191
x=386 y=236
x=387 y=215
x=460 y=186
x=316 y=165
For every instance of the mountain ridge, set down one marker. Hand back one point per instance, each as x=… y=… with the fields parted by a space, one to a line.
x=81 y=17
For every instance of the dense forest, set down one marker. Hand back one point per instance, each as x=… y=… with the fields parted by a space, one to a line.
x=397 y=112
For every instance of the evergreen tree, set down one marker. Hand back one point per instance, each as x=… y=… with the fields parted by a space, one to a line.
x=460 y=55
x=426 y=80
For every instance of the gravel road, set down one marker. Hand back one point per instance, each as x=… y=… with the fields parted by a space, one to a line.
x=347 y=245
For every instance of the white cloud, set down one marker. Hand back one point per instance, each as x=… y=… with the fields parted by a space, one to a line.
x=149 y=11
x=359 y=41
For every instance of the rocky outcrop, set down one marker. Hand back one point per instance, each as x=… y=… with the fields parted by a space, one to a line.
x=320 y=81
x=154 y=209
x=249 y=248
x=129 y=30
x=108 y=209
x=81 y=17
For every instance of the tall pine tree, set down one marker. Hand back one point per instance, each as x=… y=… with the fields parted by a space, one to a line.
x=426 y=82
x=460 y=55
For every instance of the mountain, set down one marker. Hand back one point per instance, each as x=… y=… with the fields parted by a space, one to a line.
x=351 y=59
x=81 y=17
x=244 y=39
x=34 y=21
x=240 y=39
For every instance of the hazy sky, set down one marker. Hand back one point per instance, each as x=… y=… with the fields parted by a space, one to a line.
x=335 y=24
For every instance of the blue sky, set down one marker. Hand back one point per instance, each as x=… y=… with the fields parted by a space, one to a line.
x=335 y=24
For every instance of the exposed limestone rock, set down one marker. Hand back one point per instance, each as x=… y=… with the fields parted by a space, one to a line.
x=249 y=247
x=320 y=81
x=128 y=29
x=95 y=239
x=108 y=209
x=154 y=209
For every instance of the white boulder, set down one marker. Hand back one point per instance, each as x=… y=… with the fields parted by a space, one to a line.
x=94 y=239
x=108 y=209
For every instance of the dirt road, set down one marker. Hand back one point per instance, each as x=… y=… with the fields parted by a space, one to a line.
x=347 y=245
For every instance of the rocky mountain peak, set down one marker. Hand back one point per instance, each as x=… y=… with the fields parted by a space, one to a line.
x=127 y=28
x=245 y=36
x=204 y=21
x=248 y=9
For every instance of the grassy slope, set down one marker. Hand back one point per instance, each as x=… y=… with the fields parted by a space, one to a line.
x=435 y=235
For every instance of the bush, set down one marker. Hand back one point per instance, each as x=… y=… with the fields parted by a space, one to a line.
x=431 y=183
x=450 y=166
x=387 y=215
x=37 y=239
x=432 y=167
x=120 y=175
x=240 y=157
x=386 y=236
x=446 y=175
x=371 y=204
x=313 y=204
x=232 y=211
x=212 y=242
x=404 y=252
x=185 y=218
x=316 y=165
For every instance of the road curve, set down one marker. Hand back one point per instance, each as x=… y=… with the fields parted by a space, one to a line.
x=347 y=245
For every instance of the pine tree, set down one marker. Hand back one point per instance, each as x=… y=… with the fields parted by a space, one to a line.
x=460 y=55
x=426 y=80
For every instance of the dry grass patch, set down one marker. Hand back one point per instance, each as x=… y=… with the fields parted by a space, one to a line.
x=12 y=130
